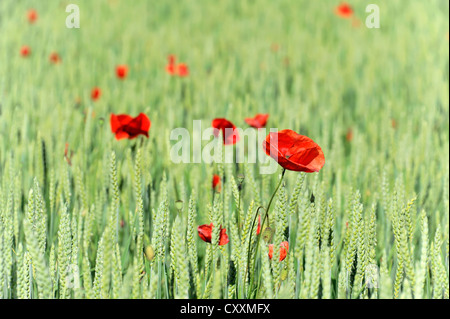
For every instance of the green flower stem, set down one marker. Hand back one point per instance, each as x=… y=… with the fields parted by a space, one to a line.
x=266 y=215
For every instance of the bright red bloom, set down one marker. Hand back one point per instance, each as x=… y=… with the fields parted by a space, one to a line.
x=216 y=183
x=125 y=126
x=258 y=229
x=229 y=131
x=344 y=10
x=294 y=152
x=95 y=93
x=205 y=233
x=55 y=58
x=259 y=121
x=182 y=70
x=121 y=71
x=171 y=67
x=284 y=248
x=25 y=51
x=32 y=16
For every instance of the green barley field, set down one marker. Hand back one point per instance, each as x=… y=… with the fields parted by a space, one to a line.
x=84 y=215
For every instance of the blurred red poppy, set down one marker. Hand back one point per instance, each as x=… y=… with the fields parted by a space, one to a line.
x=229 y=131
x=258 y=229
x=25 y=51
x=183 y=70
x=216 y=185
x=32 y=16
x=122 y=71
x=356 y=23
x=294 y=152
x=55 y=58
x=284 y=248
x=180 y=69
x=171 y=68
x=68 y=157
x=349 y=135
x=125 y=126
x=344 y=10
x=205 y=233
x=394 y=124
x=259 y=121
x=95 y=93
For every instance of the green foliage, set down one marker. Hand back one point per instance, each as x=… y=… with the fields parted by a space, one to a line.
x=373 y=223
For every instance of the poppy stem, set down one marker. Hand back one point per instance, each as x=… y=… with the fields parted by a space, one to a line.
x=273 y=196
x=266 y=215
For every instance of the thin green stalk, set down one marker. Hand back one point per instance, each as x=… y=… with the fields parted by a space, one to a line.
x=259 y=237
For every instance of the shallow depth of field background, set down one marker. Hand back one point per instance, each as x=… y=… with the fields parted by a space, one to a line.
x=312 y=71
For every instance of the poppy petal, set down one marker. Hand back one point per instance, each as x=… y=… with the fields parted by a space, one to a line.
x=294 y=151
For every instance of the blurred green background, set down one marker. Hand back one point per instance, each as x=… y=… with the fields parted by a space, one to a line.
x=312 y=71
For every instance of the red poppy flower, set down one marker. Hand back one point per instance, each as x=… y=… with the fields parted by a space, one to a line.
x=349 y=135
x=68 y=157
x=32 y=16
x=95 y=93
x=284 y=248
x=258 y=229
x=125 y=126
x=229 y=131
x=259 y=121
x=216 y=183
x=294 y=152
x=344 y=10
x=171 y=67
x=183 y=70
x=394 y=124
x=205 y=233
x=55 y=58
x=121 y=71
x=25 y=51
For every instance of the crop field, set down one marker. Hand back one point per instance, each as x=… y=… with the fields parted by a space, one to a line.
x=111 y=185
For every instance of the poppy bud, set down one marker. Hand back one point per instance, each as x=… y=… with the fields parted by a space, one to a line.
x=267 y=234
x=283 y=274
x=179 y=205
x=149 y=253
